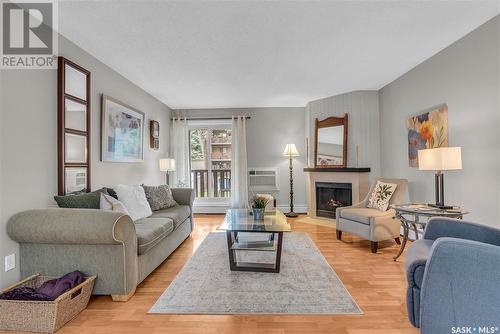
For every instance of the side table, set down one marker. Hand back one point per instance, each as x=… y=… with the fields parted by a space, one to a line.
x=410 y=214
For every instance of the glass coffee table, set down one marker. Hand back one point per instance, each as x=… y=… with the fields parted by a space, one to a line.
x=239 y=220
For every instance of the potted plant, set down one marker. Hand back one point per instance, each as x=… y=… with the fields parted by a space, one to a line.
x=258 y=207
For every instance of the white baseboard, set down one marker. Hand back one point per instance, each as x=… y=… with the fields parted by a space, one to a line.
x=301 y=208
x=210 y=208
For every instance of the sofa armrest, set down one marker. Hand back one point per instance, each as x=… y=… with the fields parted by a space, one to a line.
x=184 y=196
x=456 y=228
x=71 y=226
x=460 y=284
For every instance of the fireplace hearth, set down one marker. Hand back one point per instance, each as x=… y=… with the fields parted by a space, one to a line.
x=330 y=196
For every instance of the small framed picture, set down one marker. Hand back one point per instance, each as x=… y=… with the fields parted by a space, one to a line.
x=154 y=130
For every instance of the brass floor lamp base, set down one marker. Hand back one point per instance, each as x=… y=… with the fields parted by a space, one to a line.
x=291 y=214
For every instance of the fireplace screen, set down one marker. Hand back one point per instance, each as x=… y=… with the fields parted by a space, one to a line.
x=330 y=196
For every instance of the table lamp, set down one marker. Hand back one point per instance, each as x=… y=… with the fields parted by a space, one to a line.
x=167 y=165
x=291 y=151
x=440 y=159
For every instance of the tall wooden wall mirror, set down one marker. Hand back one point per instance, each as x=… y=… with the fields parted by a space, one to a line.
x=330 y=146
x=73 y=134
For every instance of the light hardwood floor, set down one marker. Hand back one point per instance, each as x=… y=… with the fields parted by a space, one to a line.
x=376 y=282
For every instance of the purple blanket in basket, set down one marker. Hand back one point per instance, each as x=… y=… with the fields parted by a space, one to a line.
x=49 y=290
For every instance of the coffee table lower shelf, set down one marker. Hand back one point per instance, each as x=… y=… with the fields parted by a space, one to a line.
x=233 y=246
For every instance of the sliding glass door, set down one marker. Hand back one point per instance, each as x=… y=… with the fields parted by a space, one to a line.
x=210 y=150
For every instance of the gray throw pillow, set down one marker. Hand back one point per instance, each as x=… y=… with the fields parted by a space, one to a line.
x=159 y=197
x=81 y=200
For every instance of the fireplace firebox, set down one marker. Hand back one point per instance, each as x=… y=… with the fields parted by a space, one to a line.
x=330 y=196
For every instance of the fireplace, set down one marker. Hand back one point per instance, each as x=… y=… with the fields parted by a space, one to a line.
x=330 y=196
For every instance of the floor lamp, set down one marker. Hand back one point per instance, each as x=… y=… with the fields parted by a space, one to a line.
x=440 y=159
x=167 y=165
x=291 y=151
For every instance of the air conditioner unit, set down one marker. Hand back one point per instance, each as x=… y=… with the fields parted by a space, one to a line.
x=263 y=179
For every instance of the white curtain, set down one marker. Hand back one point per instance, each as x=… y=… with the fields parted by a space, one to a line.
x=239 y=174
x=179 y=147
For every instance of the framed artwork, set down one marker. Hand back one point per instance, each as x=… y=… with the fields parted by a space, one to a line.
x=122 y=132
x=154 y=135
x=427 y=130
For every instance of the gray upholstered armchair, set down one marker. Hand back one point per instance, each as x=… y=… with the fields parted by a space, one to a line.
x=373 y=224
x=454 y=277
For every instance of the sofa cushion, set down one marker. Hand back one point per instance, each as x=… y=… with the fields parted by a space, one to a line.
x=81 y=200
x=159 y=197
x=134 y=199
x=362 y=215
x=178 y=214
x=416 y=259
x=150 y=231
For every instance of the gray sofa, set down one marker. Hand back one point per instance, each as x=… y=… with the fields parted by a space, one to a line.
x=454 y=277
x=120 y=252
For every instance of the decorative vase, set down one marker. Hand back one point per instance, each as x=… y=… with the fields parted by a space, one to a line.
x=258 y=214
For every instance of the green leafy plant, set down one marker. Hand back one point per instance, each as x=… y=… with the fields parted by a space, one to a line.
x=259 y=202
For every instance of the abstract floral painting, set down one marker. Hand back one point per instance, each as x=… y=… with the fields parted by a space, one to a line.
x=427 y=130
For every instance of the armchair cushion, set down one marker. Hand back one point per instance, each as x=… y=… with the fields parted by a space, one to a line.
x=178 y=214
x=363 y=215
x=150 y=231
x=416 y=258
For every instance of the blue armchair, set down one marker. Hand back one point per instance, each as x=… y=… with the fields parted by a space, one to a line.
x=454 y=276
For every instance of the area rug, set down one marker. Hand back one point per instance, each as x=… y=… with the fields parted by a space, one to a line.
x=306 y=283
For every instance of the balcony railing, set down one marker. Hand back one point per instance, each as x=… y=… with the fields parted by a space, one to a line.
x=221 y=184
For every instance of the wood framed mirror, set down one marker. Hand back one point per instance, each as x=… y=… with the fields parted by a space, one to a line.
x=73 y=100
x=330 y=145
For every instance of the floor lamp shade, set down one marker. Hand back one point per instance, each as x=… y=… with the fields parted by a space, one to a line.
x=167 y=165
x=440 y=159
x=290 y=151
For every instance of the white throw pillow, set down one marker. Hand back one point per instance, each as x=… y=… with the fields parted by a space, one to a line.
x=134 y=199
x=381 y=195
x=110 y=203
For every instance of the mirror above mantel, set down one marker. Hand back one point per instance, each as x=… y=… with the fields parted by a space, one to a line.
x=330 y=145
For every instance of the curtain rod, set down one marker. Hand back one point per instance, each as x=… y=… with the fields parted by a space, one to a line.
x=207 y=118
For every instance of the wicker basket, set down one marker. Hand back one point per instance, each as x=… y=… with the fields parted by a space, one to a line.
x=44 y=316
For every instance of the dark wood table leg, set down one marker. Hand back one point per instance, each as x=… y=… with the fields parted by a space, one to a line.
x=232 y=254
x=278 y=251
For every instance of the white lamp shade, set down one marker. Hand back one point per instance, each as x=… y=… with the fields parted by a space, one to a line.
x=167 y=165
x=291 y=151
x=441 y=158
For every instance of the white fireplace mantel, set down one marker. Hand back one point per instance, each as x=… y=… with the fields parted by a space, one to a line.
x=358 y=177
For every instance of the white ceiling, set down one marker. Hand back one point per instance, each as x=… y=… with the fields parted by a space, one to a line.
x=206 y=54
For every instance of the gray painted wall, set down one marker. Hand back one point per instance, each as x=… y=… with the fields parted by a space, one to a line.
x=363 y=110
x=268 y=131
x=465 y=76
x=28 y=169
